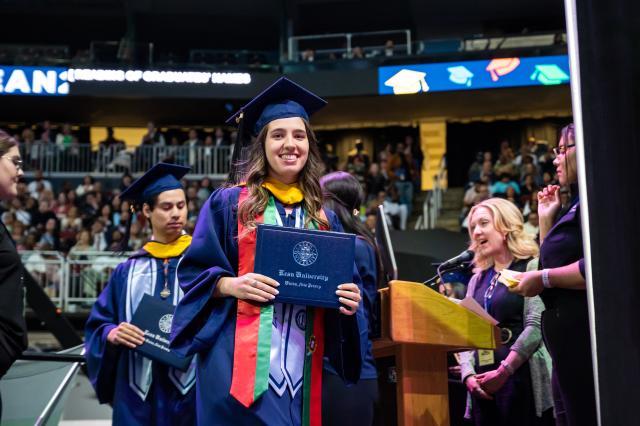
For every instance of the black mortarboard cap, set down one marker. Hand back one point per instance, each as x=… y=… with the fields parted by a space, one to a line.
x=160 y=178
x=283 y=99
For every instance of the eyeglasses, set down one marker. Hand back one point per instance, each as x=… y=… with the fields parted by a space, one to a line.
x=16 y=161
x=561 y=150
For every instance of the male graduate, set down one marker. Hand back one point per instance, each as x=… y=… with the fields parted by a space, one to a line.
x=141 y=391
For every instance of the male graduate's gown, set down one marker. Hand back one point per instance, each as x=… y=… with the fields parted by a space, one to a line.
x=140 y=391
x=206 y=326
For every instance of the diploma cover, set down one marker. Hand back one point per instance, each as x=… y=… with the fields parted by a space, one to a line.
x=308 y=264
x=154 y=318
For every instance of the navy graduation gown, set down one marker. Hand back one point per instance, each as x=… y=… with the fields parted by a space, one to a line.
x=205 y=325
x=109 y=365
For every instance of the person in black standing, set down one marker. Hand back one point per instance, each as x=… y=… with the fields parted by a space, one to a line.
x=342 y=404
x=13 y=330
x=561 y=284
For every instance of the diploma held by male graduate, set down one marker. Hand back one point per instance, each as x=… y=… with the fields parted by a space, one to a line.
x=308 y=264
x=154 y=318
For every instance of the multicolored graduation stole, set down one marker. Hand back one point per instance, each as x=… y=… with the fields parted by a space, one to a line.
x=251 y=355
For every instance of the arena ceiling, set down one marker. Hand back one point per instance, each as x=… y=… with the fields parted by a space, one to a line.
x=259 y=24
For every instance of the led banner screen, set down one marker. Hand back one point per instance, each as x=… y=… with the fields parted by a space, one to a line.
x=38 y=81
x=470 y=75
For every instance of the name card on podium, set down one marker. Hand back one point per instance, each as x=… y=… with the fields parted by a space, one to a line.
x=308 y=264
x=154 y=317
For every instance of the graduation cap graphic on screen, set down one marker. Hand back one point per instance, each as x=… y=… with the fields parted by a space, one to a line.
x=502 y=66
x=408 y=81
x=460 y=75
x=549 y=74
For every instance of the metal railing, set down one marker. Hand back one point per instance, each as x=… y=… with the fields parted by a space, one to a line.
x=88 y=273
x=81 y=159
x=49 y=270
x=433 y=201
x=342 y=44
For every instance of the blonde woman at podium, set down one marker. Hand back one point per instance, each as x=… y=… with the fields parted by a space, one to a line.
x=511 y=385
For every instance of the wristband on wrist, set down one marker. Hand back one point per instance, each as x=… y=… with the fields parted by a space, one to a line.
x=545 y=278
x=507 y=367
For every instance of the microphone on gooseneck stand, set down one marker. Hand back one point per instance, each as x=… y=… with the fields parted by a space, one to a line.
x=463 y=257
x=460 y=261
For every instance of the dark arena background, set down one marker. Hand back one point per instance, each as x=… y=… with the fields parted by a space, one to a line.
x=433 y=105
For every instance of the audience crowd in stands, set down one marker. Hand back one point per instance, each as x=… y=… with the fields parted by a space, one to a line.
x=90 y=217
x=517 y=178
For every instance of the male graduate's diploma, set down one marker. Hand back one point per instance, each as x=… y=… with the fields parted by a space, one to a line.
x=154 y=318
x=308 y=264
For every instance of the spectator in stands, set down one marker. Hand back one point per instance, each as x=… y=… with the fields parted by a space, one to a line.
x=358 y=162
x=392 y=210
x=61 y=206
x=476 y=168
x=370 y=222
x=510 y=195
x=91 y=206
x=86 y=186
x=99 y=240
x=42 y=215
x=564 y=197
x=83 y=242
x=116 y=241
x=532 y=225
x=547 y=179
x=329 y=158
x=500 y=187
x=204 y=190
x=18 y=232
x=50 y=236
x=375 y=182
x=22 y=214
x=64 y=138
x=125 y=181
x=531 y=205
x=399 y=172
x=106 y=214
x=193 y=142
x=137 y=236
x=526 y=151
x=108 y=149
x=219 y=139
x=389 y=48
x=357 y=53
x=486 y=175
x=38 y=178
x=153 y=136
x=505 y=165
x=527 y=188
x=478 y=192
x=545 y=162
x=308 y=55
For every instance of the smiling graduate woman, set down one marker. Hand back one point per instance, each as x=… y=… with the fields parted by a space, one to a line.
x=258 y=362
x=13 y=330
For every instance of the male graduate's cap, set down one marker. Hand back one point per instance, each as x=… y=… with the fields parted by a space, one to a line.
x=407 y=81
x=549 y=74
x=283 y=99
x=160 y=178
x=460 y=75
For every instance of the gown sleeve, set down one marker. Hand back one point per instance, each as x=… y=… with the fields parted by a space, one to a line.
x=199 y=317
x=346 y=336
x=102 y=357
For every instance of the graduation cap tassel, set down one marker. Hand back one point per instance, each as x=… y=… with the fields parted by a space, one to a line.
x=236 y=169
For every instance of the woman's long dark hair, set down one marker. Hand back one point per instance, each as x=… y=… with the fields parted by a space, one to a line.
x=343 y=194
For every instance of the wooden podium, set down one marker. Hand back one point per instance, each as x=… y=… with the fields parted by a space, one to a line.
x=419 y=327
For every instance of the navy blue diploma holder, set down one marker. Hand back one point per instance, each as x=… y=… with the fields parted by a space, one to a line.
x=308 y=264
x=154 y=317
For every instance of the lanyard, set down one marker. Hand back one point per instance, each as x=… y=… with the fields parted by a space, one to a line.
x=488 y=294
x=298 y=214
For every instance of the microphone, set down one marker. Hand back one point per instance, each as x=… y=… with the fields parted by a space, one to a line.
x=465 y=256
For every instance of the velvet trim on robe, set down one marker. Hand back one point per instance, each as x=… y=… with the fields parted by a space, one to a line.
x=206 y=325
x=108 y=365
